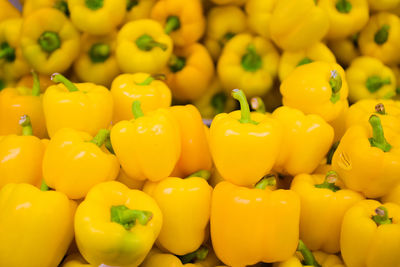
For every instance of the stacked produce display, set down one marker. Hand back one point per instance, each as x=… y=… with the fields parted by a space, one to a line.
x=200 y=133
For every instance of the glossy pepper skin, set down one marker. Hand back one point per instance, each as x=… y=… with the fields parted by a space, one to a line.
x=306 y=140
x=81 y=106
x=153 y=93
x=149 y=146
x=182 y=20
x=97 y=17
x=345 y=50
x=368 y=77
x=19 y=101
x=195 y=152
x=221 y=28
x=249 y=225
x=316 y=88
x=21 y=157
x=138 y=9
x=12 y=63
x=324 y=201
x=185 y=205
x=370 y=235
x=30 y=6
x=380 y=5
x=249 y=63
x=8 y=11
x=380 y=38
x=259 y=16
x=97 y=62
x=43 y=220
x=48 y=46
x=142 y=46
x=368 y=145
x=189 y=72
x=346 y=17
x=316 y=52
x=75 y=260
x=128 y=181
x=116 y=226
x=75 y=161
x=297 y=25
x=244 y=145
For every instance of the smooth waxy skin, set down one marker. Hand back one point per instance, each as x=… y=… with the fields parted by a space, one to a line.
x=141 y=10
x=76 y=260
x=43 y=220
x=325 y=260
x=345 y=50
x=7 y=10
x=259 y=16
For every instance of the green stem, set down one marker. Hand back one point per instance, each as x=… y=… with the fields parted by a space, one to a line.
x=374 y=83
x=382 y=35
x=331 y=151
x=44 y=186
x=2 y=84
x=7 y=52
x=26 y=124
x=99 y=52
x=258 y=105
x=109 y=146
x=335 y=81
x=354 y=39
x=176 y=63
x=59 y=78
x=380 y=109
x=49 y=41
x=307 y=255
x=244 y=106
x=329 y=182
x=267 y=180
x=147 y=43
x=251 y=61
x=218 y=102
x=63 y=7
x=382 y=216
x=151 y=78
x=101 y=137
x=201 y=174
x=226 y=38
x=131 y=4
x=137 y=110
x=94 y=4
x=198 y=255
x=36 y=84
x=343 y=6
x=304 y=61
x=127 y=217
x=172 y=24
x=378 y=138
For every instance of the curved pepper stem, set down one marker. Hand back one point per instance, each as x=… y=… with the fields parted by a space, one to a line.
x=335 y=82
x=137 y=110
x=380 y=109
x=99 y=52
x=244 y=106
x=7 y=52
x=59 y=78
x=304 y=61
x=25 y=122
x=127 y=217
x=251 y=61
x=329 y=182
x=343 y=6
x=201 y=174
x=44 y=186
x=374 y=83
x=172 y=24
x=49 y=41
x=131 y=4
x=331 y=151
x=382 y=34
x=258 y=105
x=378 y=138
x=307 y=255
x=151 y=78
x=199 y=255
x=382 y=216
x=176 y=63
x=267 y=180
x=147 y=43
x=63 y=7
x=36 y=84
x=218 y=102
x=226 y=38
x=94 y=4
x=101 y=137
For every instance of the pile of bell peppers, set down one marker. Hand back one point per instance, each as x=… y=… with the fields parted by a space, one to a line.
x=168 y=133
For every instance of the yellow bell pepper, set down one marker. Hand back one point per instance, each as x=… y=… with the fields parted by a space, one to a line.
x=82 y=106
x=152 y=93
x=8 y=10
x=316 y=52
x=75 y=260
x=221 y=27
x=142 y=46
x=229 y=2
x=116 y=226
x=324 y=201
x=138 y=9
x=31 y=6
x=295 y=25
x=19 y=101
x=259 y=14
x=97 y=17
x=204 y=257
x=185 y=205
x=97 y=62
x=345 y=50
x=195 y=152
x=74 y=162
x=316 y=88
x=249 y=63
x=189 y=72
x=149 y=146
x=29 y=81
x=21 y=156
x=396 y=72
x=12 y=63
x=339 y=124
x=363 y=146
x=183 y=20
x=239 y=141
x=371 y=235
x=128 y=181
x=306 y=140
x=48 y=46
x=249 y=225
x=346 y=17
x=36 y=227
x=381 y=38
x=368 y=77
x=381 y=5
